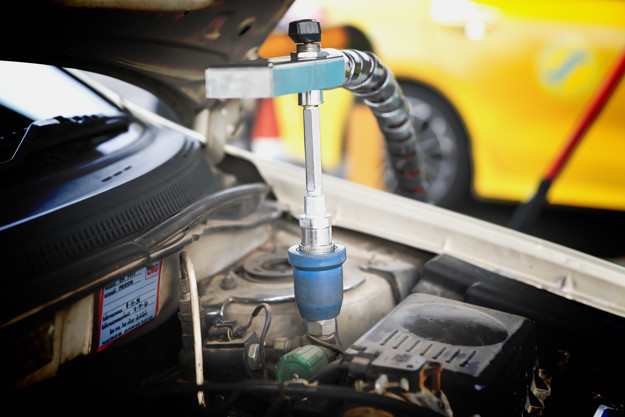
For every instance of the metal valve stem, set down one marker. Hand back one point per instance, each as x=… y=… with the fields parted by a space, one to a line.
x=317 y=261
x=315 y=223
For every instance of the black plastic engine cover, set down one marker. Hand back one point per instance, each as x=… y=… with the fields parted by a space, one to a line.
x=74 y=201
x=571 y=337
x=487 y=355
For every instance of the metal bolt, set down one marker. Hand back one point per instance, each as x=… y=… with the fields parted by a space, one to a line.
x=282 y=344
x=253 y=357
x=228 y=283
x=321 y=327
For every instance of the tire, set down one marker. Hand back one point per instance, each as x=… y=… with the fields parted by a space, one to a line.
x=443 y=144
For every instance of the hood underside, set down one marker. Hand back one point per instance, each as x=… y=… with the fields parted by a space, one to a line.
x=162 y=46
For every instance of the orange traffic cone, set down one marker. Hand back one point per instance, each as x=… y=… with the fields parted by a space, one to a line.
x=265 y=134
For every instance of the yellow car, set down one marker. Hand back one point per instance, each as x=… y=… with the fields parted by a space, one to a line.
x=496 y=88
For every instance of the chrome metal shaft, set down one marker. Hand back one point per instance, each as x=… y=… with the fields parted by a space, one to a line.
x=312 y=149
x=315 y=223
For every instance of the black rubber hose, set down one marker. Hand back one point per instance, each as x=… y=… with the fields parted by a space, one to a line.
x=276 y=407
x=219 y=408
x=369 y=80
x=329 y=373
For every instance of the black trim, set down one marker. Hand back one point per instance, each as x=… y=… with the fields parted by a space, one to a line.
x=40 y=255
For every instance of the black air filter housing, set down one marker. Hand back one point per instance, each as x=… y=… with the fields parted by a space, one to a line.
x=69 y=202
x=487 y=356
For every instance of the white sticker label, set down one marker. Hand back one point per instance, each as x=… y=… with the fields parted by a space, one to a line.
x=127 y=303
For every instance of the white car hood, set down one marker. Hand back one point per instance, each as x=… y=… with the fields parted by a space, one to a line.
x=537 y=262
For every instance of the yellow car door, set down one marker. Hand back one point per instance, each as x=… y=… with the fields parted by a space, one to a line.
x=522 y=82
x=497 y=87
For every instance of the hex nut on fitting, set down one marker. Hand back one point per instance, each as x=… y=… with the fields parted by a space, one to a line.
x=282 y=344
x=321 y=327
x=253 y=357
x=305 y=31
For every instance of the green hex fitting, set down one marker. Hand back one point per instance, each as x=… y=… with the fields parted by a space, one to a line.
x=304 y=362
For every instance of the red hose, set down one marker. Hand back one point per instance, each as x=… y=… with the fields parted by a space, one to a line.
x=526 y=213
x=594 y=109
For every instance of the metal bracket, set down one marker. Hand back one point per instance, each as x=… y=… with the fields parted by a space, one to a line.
x=276 y=76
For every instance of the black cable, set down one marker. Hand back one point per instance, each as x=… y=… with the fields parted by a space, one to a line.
x=240 y=331
x=329 y=373
x=338 y=339
x=325 y=344
x=223 y=406
x=263 y=335
x=275 y=407
x=333 y=392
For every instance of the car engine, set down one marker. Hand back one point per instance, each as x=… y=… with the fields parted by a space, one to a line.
x=144 y=276
x=418 y=333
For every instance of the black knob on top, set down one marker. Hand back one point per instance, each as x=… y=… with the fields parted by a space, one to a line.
x=305 y=31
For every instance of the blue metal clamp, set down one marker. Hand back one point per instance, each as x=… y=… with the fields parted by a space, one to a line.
x=265 y=78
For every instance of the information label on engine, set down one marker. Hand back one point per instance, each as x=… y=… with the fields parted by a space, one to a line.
x=127 y=303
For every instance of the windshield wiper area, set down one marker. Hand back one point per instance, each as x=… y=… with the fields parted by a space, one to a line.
x=48 y=133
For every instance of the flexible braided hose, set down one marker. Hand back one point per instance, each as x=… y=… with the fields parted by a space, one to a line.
x=372 y=82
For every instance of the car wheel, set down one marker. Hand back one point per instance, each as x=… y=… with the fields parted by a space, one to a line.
x=443 y=145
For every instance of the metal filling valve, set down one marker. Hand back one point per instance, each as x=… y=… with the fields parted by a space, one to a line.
x=317 y=261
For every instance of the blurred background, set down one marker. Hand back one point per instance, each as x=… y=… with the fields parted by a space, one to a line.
x=495 y=89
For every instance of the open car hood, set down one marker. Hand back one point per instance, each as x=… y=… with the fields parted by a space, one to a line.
x=163 y=46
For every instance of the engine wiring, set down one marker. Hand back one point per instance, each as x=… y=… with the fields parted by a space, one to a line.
x=325 y=344
x=240 y=331
x=188 y=273
x=303 y=389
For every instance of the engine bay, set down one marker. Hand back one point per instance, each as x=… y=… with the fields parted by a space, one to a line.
x=149 y=271
x=418 y=334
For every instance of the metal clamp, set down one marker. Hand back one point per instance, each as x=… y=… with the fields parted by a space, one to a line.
x=266 y=78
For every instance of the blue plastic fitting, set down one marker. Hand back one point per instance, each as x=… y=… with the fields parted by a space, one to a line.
x=318 y=282
x=605 y=411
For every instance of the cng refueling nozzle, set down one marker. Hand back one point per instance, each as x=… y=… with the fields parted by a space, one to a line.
x=313 y=69
x=317 y=260
x=315 y=223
